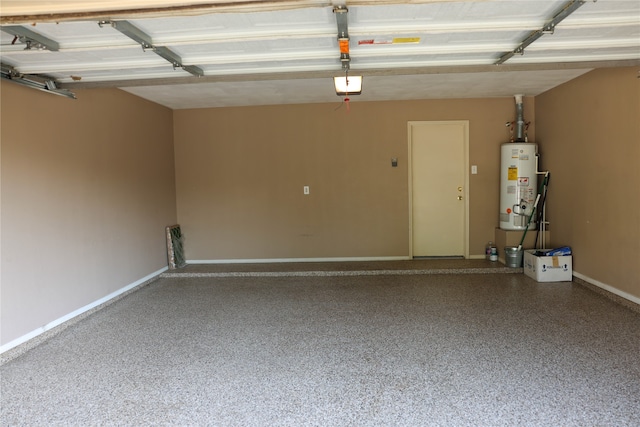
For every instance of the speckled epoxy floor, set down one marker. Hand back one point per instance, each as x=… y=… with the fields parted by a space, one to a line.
x=344 y=268
x=378 y=350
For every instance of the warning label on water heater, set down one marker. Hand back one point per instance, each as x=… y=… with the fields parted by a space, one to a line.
x=512 y=175
x=523 y=181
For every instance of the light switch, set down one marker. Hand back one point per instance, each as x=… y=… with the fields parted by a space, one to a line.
x=474 y=169
x=305 y=189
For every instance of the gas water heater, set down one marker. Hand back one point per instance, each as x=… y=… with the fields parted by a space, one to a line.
x=518 y=179
x=518 y=185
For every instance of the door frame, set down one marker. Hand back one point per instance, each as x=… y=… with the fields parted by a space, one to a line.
x=465 y=123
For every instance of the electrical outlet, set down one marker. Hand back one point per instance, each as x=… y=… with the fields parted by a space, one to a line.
x=305 y=189
x=474 y=169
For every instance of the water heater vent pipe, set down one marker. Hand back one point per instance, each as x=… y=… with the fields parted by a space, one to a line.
x=519 y=119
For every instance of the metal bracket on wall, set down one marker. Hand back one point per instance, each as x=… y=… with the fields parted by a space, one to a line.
x=548 y=28
x=139 y=36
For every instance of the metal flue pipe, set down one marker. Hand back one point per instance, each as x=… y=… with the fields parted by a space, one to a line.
x=519 y=119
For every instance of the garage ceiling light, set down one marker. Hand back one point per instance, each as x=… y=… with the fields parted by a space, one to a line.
x=348 y=85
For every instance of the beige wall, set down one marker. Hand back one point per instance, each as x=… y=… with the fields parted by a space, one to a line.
x=589 y=137
x=240 y=174
x=87 y=189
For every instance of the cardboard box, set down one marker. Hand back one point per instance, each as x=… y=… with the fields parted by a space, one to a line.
x=548 y=268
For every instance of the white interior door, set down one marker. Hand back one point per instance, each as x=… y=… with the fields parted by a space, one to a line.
x=438 y=188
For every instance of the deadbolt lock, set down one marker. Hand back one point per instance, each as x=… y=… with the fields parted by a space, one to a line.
x=459 y=188
x=459 y=197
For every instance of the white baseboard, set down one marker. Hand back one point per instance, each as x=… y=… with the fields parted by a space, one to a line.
x=276 y=260
x=608 y=288
x=49 y=326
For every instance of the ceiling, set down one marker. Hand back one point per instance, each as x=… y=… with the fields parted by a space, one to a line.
x=198 y=54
